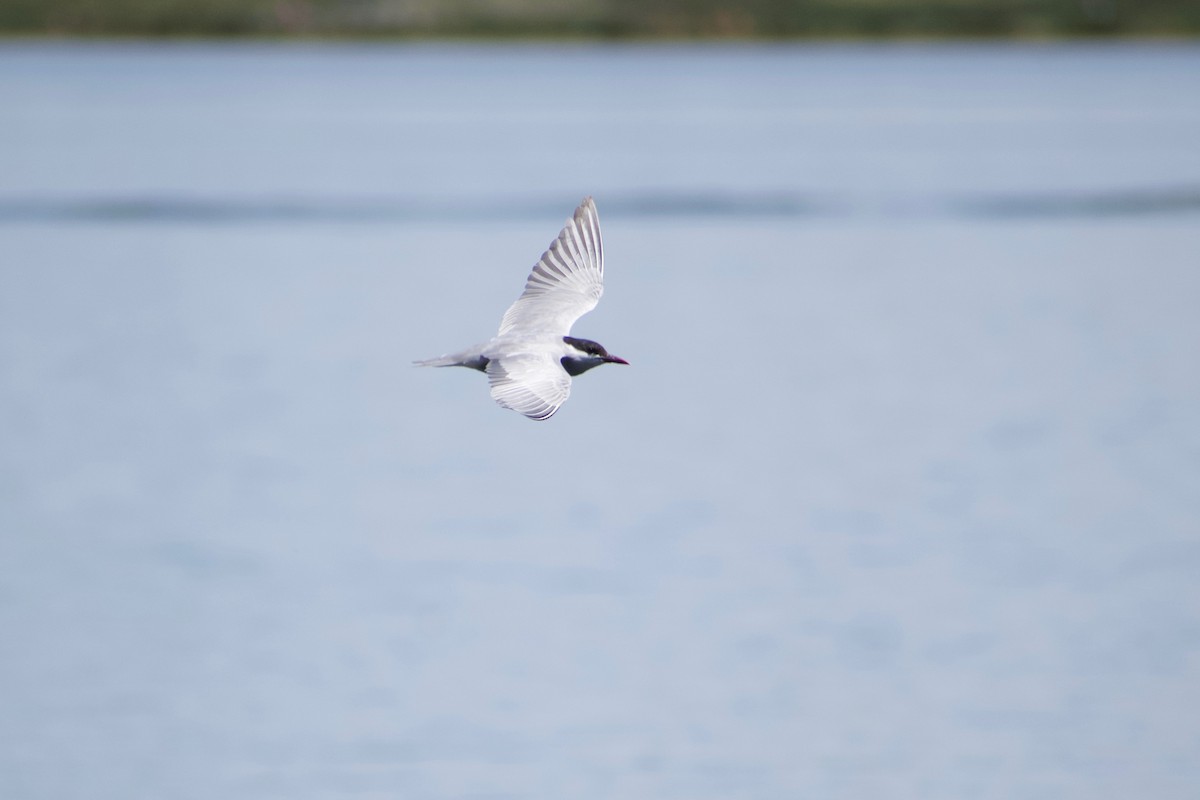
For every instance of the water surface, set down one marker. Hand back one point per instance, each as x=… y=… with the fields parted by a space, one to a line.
x=899 y=498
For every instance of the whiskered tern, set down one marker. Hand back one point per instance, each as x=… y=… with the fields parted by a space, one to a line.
x=531 y=360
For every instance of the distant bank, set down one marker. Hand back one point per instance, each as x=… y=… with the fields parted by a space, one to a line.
x=604 y=19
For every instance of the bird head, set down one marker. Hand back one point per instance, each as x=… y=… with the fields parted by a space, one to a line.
x=583 y=354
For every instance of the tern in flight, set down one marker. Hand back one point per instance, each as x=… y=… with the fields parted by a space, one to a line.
x=531 y=360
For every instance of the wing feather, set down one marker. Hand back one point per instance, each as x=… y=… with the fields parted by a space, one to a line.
x=566 y=282
x=533 y=385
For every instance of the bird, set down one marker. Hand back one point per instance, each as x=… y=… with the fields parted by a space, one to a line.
x=531 y=360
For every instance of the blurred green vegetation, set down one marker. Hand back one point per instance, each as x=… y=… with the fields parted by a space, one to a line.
x=603 y=18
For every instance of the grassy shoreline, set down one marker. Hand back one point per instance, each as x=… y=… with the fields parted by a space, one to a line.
x=8 y=38
x=613 y=20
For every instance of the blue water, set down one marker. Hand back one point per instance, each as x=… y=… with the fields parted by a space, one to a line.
x=899 y=498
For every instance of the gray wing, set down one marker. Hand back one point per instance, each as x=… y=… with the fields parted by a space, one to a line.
x=533 y=385
x=567 y=281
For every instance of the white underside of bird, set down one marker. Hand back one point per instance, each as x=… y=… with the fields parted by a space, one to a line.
x=530 y=361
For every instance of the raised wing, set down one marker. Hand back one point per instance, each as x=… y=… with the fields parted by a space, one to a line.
x=567 y=281
x=533 y=385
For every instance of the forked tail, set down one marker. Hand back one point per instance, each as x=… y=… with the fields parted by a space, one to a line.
x=468 y=358
x=440 y=361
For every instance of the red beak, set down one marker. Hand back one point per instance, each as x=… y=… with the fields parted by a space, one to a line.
x=615 y=360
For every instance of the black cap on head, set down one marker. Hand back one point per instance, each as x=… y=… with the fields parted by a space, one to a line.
x=587 y=346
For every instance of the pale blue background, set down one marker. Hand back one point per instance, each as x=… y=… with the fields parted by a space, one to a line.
x=899 y=498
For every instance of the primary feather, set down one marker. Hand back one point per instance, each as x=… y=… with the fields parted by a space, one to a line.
x=566 y=282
